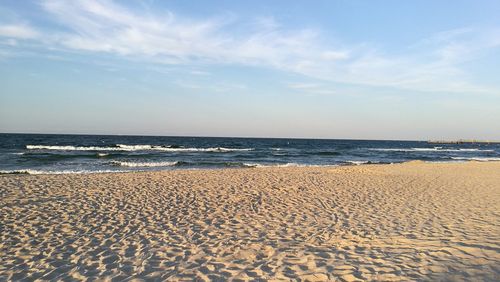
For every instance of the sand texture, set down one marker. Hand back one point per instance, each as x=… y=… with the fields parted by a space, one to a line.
x=413 y=221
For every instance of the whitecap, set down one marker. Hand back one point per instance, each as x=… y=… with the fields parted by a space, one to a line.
x=359 y=162
x=435 y=149
x=122 y=147
x=479 y=159
x=258 y=165
x=35 y=172
x=71 y=148
x=144 y=164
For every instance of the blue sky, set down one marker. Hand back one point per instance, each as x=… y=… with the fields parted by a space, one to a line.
x=324 y=69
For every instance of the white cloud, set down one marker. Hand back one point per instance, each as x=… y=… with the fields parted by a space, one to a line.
x=20 y=31
x=433 y=64
x=335 y=55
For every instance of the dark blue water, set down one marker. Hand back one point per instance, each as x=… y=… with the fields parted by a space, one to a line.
x=38 y=153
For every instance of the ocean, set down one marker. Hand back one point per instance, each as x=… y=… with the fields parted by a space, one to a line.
x=58 y=154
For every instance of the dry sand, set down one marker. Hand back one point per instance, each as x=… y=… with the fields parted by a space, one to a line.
x=413 y=221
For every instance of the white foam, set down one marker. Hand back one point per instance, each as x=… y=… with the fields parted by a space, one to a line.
x=34 y=171
x=257 y=165
x=144 y=164
x=170 y=149
x=359 y=162
x=72 y=148
x=435 y=149
x=122 y=147
x=479 y=159
x=137 y=147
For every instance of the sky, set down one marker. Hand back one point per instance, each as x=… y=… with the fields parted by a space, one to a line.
x=416 y=70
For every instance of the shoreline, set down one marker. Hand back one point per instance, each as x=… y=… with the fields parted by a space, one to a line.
x=408 y=221
x=39 y=172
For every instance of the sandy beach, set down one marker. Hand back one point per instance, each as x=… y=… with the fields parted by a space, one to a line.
x=411 y=221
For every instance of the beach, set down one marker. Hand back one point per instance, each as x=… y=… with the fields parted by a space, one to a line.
x=390 y=222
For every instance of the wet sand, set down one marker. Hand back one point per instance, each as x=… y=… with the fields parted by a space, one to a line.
x=412 y=221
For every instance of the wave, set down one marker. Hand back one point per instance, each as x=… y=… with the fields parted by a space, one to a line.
x=359 y=162
x=36 y=172
x=271 y=165
x=138 y=147
x=208 y=164
x=62 y=156
x=144 y=164
x=179 y=149
x=435 y=149
x=257 y=165
x=72 y=148
x=479 y=159
x=122 y=147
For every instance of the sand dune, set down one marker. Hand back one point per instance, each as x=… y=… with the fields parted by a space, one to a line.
x=413 y=221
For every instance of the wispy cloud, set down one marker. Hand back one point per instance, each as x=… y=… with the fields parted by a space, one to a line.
x=432 y=64
x=21 y=31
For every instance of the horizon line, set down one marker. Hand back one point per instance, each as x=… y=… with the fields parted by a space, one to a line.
x=256 y=137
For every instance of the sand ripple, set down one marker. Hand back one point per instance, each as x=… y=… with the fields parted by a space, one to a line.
x=413 y=221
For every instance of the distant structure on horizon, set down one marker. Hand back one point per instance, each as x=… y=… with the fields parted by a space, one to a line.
x=462 y=141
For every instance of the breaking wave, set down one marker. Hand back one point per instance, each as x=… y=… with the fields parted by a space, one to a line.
x=435 y=149
x=35 y=171
x=479 y=159
x=259 y=165
x=359 y=162
x=122 y=147
x=144 y=164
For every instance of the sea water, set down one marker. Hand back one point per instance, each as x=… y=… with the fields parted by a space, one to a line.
x=54 y=154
